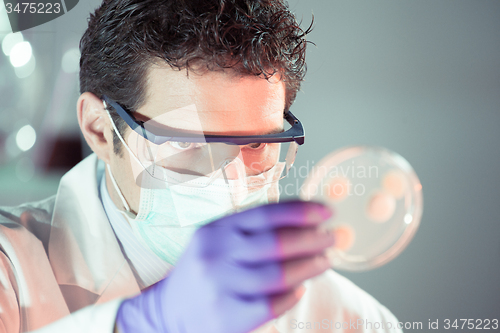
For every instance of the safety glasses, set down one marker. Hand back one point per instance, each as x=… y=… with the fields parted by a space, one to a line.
x=197 y=159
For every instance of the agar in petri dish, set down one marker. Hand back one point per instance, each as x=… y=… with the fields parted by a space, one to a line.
x=381 y=207
x=395 y=183
x=338 y=188
x=377 y=199
x=344 y=237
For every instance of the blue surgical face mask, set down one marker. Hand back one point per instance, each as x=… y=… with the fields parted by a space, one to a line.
x=169 y=215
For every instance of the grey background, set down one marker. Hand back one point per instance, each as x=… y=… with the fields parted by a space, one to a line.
x=423 y=79
x=419 y=77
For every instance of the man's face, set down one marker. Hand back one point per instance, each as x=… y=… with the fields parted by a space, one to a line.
x=217 y=103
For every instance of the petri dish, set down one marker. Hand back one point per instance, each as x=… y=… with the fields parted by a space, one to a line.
x=377 y=199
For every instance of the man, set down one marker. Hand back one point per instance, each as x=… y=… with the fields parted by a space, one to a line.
x=186 y=107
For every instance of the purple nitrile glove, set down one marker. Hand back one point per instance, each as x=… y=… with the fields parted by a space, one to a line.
x=236 y=273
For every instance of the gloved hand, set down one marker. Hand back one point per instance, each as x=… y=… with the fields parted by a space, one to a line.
x=236 y=274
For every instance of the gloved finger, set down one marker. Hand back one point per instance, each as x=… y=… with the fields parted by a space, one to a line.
x=283 y=302
x=280 y=244
x=242 y=315
x=285 y=214
x=298 y=270
x=271 y=277
x=298 y=242
x=263 y=307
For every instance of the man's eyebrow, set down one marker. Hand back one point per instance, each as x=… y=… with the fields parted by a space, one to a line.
x=276 y=131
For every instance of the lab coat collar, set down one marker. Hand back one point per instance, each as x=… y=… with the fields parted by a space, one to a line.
x=83 y=248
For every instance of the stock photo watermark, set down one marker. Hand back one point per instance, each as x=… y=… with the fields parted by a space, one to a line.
x=364 y=324
x=337 y=182
x=357 y=324
x=26 y=14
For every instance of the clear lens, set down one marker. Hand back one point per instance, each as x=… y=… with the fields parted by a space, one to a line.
x=199 y=164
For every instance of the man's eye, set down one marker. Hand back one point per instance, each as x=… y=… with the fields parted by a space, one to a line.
x=256 y=145
x=182 y=145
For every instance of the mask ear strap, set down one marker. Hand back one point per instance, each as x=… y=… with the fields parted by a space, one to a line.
x=119 y=135
x=122 y=198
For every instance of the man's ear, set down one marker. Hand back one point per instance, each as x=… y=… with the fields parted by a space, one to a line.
x=95 y=125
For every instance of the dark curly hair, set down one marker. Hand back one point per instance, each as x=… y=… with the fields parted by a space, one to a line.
x=124 y=37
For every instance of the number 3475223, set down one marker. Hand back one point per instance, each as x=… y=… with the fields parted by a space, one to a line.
x=33 y=8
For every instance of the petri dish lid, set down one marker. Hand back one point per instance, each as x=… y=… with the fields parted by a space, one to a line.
x=377 y=199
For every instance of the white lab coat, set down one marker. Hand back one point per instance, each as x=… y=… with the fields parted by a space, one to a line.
x=60 y=256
